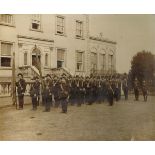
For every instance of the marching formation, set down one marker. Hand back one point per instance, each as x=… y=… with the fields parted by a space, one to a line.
x=76 y=90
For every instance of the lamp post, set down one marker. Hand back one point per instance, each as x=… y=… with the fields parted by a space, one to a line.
x=13 y=82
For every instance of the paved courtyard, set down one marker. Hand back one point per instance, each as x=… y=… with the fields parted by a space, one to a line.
x=126 y=120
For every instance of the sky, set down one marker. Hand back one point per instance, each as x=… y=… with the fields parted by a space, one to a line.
x=133 y=33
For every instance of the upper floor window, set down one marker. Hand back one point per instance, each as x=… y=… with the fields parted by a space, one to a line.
x=93 y=61
x=79 y=61
x=36 y=22
x=60 y=25
x=102 y=61
x=46 y=59
x=25 y=58
x=6 y=19
x=79 y=29
x=5 y=57
x=60 y=58
x=111 y=66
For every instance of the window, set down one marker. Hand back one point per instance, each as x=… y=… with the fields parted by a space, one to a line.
x=6 y=19
x=111 y=62
x=79 y=29
x=60 y=25
x=25 y=58
x=46 y=59
x=102 y=61
x=79 y=61
x=60 y=58
x=93 y=61
x=5 y=56
x=36 y=22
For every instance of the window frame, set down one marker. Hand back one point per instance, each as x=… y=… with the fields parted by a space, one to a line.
x=82 y=62
x=12 y=24
x=38 y=20
x=64 y=25
x=81 y=29
x=6 y=56
x=64 y=60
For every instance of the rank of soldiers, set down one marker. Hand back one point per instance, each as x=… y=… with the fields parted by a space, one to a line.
x=75 y=90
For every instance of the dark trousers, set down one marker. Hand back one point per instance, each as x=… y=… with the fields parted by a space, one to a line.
x=125 y=90
x=136 y=91
x=34 y=103
x=64 y=104
x=47 y=104
x=145 y=95
x=21 y=101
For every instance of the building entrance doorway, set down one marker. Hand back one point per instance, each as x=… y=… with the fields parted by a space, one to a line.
x=36 y=58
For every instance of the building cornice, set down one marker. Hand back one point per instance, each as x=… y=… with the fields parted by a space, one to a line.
x=102 y=39
x=33 y=38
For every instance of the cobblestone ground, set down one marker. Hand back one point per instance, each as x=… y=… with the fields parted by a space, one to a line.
x=126 y=120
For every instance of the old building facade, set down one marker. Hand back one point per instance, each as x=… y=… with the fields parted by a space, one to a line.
x=60 y=42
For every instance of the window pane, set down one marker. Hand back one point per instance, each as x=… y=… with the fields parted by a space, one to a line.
x=6 y=49
x=5 y=62
x=8 y=19
x=60 y=25
x=60 y=54
x=25 y=58
x=46 y=60
x=79 y=28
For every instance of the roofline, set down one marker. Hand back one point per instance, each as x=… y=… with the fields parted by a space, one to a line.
x=102 y=40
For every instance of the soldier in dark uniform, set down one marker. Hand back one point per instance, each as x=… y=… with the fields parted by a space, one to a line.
x=110 y=95
x=21 y=87
x=35 y=93
x=125 y=88
x=42 y=91
x=64 y=94
x=136 y=89
x=56 y=91
x=47 y=94
x=144 y=90
x=99 y=90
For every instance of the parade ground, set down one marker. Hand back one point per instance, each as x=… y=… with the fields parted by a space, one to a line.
x=126 y=120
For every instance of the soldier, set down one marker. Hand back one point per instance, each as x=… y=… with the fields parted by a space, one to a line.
x=99 y=90
x=64 y=95
x=125 y=88
x=47 y=95
x=136 y=89
x=21 y=87
x=35 y=92
x=144 y=90
x=43 y=88
x=56 y=91
x=110 y=95
x=81 y=91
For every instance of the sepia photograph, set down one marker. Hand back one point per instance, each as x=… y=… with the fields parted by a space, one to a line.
x=77 y=77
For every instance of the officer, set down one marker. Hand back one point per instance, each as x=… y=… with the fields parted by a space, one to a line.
x=64 y=95
x=21 y=87
x=136 y=89
x=34 y=92
x=144 y=90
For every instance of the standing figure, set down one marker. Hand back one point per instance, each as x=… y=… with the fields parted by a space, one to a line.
x=125 y=88
x=144 y=90
x=47 y=96
x=21 y=87
x=110 y=95
x=136 y=89
x=64 y=95
x=34 y=93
